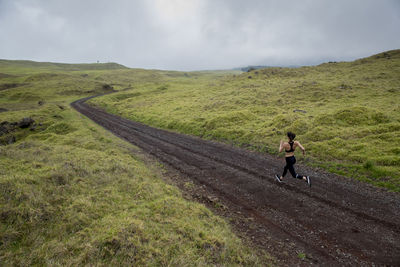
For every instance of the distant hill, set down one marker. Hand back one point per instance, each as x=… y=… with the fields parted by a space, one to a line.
x=391 y=54
x=60 y=66
x=250 y=68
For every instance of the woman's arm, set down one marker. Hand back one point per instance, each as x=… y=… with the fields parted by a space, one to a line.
x=301 y=147
x=281 y=147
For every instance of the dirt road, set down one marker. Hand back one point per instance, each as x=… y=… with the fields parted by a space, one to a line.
x=335 y=222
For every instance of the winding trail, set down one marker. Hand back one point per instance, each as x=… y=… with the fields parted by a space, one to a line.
x=336 y=222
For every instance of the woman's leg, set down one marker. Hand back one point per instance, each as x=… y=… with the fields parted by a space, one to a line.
x=294 y=174
x=290 y=161
x=293 y=171
x=285 y=169
x=287 y=166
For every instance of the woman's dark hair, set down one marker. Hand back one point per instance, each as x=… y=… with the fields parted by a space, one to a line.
x=291 y=136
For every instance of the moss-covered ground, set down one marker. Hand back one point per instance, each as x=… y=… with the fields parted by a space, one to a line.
x=73 y=194
x=346 y=114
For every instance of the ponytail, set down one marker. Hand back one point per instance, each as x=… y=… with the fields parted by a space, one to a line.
x=291 y=136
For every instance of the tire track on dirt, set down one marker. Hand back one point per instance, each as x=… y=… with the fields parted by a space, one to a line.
x=331 y=201
x=337 y=221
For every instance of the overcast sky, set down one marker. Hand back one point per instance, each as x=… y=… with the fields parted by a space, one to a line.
x=197 y=34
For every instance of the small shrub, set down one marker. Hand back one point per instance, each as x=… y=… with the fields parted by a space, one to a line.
x=162 y=87
x=301 y=256
x=58 y=179
x=368 y=165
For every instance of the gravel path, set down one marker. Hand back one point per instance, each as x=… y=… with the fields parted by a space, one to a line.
x=337 y=221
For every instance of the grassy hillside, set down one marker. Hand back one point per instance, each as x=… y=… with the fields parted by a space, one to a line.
x=346 y=114
x=73 y=194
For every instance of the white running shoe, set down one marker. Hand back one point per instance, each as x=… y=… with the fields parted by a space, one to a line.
x=308 y=180
x=278 y=178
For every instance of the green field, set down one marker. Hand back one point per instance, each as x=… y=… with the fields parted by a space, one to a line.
x=73 y=194
x=346 y=114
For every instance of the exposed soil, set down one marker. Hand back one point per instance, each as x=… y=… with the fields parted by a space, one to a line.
x=337 y=221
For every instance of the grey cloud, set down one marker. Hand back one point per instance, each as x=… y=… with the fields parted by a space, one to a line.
x=197 y=34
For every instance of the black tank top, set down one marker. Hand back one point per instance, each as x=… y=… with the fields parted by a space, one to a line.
x=291 y=147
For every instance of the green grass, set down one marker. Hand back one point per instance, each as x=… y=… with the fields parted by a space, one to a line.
x=73 y=194
x=351 y=119
x=301 y=256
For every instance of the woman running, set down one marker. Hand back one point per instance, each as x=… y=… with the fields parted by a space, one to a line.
x=290 y=147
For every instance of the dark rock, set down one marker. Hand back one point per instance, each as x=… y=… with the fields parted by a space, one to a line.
x=3 y=130
x=58 y=179
x=3 y=109
x=40 y=102
x=60 y=107
x=6 y=127
x=33 y=127
x=345 y=86
x=299 y=110
x=5 y=215
x=11 y=139
x=107 y=87
x=84 y=75
x=25 y=122
x=249 y=77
